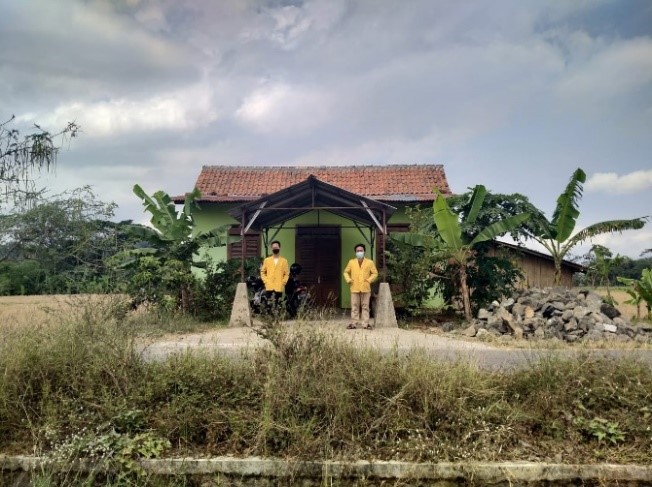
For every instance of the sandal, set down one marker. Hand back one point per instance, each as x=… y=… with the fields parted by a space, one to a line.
x=351 y=326
x=368 y=327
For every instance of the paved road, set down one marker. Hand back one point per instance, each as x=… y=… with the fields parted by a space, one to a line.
x=237 y=341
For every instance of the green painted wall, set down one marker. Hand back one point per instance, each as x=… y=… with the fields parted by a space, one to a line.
x=212 y=215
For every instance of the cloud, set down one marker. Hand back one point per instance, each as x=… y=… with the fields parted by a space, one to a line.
x=619 y=69
x=182 y=110
x=284 y=109
x=611 y=182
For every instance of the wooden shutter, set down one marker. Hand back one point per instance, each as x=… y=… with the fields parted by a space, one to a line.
x=252 y=244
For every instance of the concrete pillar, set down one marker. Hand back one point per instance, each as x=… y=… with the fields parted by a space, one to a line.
x=240 y=313
x=385 y=314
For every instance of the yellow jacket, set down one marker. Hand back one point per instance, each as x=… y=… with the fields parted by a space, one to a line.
x=275 y=276
x=360 y=277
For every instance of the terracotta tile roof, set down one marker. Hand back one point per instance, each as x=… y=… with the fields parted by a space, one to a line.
x=386 y=183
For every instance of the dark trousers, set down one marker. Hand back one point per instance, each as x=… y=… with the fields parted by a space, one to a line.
x=273 y=300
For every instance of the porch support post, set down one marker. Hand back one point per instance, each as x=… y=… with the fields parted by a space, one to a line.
x=242 y=248
x=383 y=246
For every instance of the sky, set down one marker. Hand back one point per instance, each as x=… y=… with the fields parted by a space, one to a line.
x=511 y=94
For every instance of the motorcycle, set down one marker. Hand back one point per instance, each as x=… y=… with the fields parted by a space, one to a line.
x=258 y=297
x=296 y=294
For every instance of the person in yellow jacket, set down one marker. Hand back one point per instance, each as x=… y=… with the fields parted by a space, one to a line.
x=275 y=273
x=359 y=274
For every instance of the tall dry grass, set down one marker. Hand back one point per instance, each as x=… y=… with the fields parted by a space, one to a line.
x=311 y=396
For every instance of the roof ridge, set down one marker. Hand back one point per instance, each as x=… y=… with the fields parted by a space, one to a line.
x=374 y=166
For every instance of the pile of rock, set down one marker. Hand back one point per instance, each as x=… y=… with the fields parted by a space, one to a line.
x=566 y=314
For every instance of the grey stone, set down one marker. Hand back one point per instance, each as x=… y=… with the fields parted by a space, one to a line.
x=598 y=327
x=593 y=335
x=518 y=310
x=506 y=303
x=571 y=338
x=585 y=323
x=449 y=326
x=610 y=328
x=470 y=331
x=567 y=315
x=598 y=317
x=558 y=305
x=580 y=312
x=571 y=325
x=483 y=314
x=539 y=333
x=482 y=333
x=619 y=321
x=609 y=310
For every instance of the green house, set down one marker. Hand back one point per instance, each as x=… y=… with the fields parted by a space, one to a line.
x=317 y=213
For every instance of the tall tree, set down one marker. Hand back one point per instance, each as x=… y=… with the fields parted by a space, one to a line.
x=556 y=235
x=67 y=236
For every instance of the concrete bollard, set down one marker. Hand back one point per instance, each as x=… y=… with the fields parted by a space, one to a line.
x=385 y=314
x=240 y=313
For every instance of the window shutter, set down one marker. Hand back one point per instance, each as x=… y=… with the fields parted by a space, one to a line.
x=252 y=244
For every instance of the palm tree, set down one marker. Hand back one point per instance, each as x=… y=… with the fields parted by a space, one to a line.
x=555 y=234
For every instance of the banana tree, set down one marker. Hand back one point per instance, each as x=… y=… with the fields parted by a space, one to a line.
x=641 y=290
x=453 y=244
x=172 y=239
x=555 y=234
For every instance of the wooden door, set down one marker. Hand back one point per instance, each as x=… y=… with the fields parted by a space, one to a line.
x=318 y=252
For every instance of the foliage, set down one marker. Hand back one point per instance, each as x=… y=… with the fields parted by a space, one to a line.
x=641 y=290
x=555 y=234
x=490 y=277
x=409 y=272
x=457 y=247
x=62 y=241
x=216 y=290
x=310 y=396
x=630 y=268
x=601 y=263
x=600 y=429
x=163 y=264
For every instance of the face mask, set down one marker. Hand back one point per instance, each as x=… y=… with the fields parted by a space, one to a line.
x=359 y=255
x=276 y=251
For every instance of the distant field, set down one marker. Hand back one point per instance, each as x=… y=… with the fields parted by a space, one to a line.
x=43 y=310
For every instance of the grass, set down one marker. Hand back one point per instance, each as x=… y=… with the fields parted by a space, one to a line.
x=77 y=387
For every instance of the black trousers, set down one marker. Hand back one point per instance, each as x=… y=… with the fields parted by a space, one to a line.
x=273 y=300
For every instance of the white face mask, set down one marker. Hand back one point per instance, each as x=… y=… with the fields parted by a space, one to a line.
x=359 y=255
